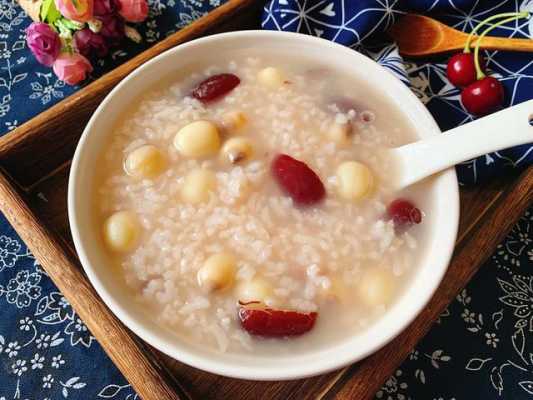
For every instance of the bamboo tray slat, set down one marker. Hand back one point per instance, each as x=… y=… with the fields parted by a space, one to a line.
x=35 y=159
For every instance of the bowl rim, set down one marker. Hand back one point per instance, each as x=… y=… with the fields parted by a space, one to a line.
x=331 y=358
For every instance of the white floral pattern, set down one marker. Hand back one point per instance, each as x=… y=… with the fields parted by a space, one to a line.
x=22 y=289
x=493 y=319
x=39 y=346
x=9 y=252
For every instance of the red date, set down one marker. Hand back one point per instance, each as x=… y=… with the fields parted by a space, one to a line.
x=215 y=87
x=404 y=213
x=298 y=180
x=275 y=323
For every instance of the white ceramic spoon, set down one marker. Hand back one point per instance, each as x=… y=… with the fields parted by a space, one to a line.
x=501 y=130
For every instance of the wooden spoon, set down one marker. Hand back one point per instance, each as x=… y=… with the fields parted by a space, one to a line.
x=418 y=36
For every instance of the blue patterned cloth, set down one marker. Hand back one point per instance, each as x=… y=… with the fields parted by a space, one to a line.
x=481 y=347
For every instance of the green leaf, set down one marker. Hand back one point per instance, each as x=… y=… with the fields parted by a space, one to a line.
x=66 y=27
x=64 y=31
x=74 y=25
x=45 y=7
x=49 y=12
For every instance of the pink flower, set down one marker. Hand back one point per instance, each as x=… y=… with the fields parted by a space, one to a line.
x=104 y=7
x=112 y=28
x=133 y=10
x=43 y=42
x=89 y=43
x=76 y=10
x=72 y=68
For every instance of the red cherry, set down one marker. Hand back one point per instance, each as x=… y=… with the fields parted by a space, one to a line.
x=483 y=96
x=214 y=87
x=404 y=213
x=275 y=323
x=461 y=69
x=298 y=180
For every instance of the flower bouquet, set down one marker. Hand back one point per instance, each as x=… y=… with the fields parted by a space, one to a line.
x=67 y=34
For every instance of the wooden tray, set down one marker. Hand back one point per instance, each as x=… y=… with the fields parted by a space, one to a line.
x=35 y=159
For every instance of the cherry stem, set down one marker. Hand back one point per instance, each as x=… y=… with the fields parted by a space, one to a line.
x=479 y=72
x=484 y=22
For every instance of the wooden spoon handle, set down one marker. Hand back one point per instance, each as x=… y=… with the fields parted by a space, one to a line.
x=145 y=373
x=501 y=43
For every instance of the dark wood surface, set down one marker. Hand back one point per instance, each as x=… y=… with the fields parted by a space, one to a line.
x=33 y=185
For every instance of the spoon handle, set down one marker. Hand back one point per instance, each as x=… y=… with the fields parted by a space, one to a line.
x=503 y=43
x=506 y=128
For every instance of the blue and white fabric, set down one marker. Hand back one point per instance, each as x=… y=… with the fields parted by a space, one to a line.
x=481 y=347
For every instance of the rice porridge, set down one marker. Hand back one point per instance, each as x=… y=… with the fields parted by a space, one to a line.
x=247 y=206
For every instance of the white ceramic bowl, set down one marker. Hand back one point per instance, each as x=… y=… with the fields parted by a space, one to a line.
x=442 y=220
